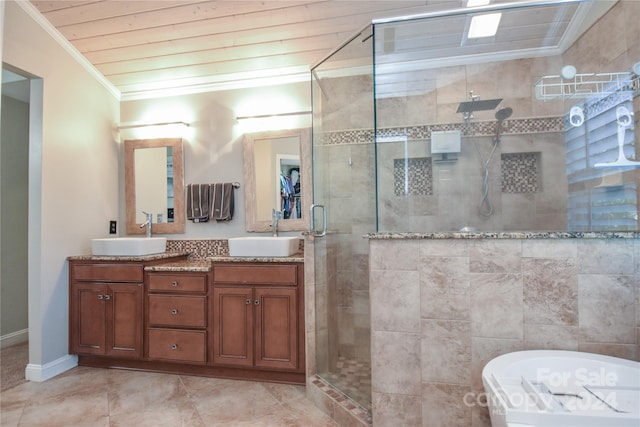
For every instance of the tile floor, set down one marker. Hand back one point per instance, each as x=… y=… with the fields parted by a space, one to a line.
x=114 y=398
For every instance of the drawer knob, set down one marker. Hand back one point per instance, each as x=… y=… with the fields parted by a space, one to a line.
x=174 y=284
x=257 y=302
x=107 y=296
x=100 y=297
x=248 y=301
x=174 y=347
x=174 y=311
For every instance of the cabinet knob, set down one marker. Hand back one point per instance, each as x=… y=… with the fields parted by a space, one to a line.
x=107 y=296
x=174 y=311
x=174 y=284
x=248 y=301
x=174 y=347
x=257 y=302
x=100 y=297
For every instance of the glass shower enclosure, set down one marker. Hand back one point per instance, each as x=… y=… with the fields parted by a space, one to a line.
x=343 y=158
x=421 y=126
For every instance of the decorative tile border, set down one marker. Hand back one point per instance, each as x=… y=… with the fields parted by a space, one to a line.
x=420 y=132
x=201 y=249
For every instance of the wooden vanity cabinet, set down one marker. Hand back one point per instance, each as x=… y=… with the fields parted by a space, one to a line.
x=231 y=319
x=177 y=317
x=257 y=316
x=105 y=306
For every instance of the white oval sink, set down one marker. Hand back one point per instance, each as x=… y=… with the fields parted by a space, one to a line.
x=263 y=246
x=128 y=246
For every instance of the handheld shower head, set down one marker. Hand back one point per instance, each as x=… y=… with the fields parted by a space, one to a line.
x=503 y=114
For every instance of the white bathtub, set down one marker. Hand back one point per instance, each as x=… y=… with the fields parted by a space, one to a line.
x=550 y=388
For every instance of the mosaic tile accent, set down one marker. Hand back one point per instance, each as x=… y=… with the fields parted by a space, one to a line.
x=199 y=249
x=420 y=177
x=421 y=132
x=520 y=173
x=361 y=414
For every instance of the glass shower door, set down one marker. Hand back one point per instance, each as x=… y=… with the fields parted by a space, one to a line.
x=344 y=184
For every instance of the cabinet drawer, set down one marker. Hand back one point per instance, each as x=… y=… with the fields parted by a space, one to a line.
x=107 y=272
x=177 y=283
x=256 y=274
x=186 y=346
x=173 y=310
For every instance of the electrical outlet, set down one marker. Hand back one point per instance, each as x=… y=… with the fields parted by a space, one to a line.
x=112 y=227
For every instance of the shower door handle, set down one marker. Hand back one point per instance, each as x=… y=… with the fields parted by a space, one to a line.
x=312 y=219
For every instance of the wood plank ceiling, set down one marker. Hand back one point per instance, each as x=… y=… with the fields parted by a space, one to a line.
x=149 y=45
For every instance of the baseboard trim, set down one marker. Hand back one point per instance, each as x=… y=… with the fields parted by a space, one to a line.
x=13 y=338
x=39 y=373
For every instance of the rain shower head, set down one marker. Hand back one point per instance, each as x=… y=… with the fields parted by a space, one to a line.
x=503 y=114
x=478 y=105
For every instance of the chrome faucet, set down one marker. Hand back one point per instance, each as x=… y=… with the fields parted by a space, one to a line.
x=147 y=223
x=275 y=215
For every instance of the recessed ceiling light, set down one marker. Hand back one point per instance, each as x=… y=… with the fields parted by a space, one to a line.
x=484 y=25
x=472 y=3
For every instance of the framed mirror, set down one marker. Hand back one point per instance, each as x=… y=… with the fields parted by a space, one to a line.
x=154 y=183
x=277 y=176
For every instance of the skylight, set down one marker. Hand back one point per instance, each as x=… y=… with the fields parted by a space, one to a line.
x=473 y=3
x=484 y=25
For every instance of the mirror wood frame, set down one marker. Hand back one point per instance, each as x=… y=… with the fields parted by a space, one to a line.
x=178 y=224
x=251 y=211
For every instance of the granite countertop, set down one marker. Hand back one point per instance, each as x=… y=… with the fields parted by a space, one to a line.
x=299 y=257
x=181 y=266
x=152 y=257
x=505 y=235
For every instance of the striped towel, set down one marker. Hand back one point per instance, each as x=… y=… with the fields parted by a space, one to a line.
x=198 y=202
x=222 y=201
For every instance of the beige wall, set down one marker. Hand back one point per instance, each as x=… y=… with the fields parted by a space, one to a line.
x=441 y=309
x=73 y=174
x=213 y=142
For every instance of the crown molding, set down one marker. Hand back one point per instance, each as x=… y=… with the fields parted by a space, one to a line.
x=35 y=14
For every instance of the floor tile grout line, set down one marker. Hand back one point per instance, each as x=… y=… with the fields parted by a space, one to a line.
x=193 y=405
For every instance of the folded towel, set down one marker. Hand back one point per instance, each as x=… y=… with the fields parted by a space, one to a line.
x=222 y=201
x=198 y=202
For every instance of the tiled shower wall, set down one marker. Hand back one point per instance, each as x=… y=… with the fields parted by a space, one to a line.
x=448 y=197
x=441 y=309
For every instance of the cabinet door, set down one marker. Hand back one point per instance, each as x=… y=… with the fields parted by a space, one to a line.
x=88 y=320
x=124 y=320
x=233 y=326
x=276 y=328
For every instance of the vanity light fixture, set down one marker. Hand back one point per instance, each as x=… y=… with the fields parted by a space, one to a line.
x=151 y=130
x=267 y=116
x=485 y=25
x=133 y=125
